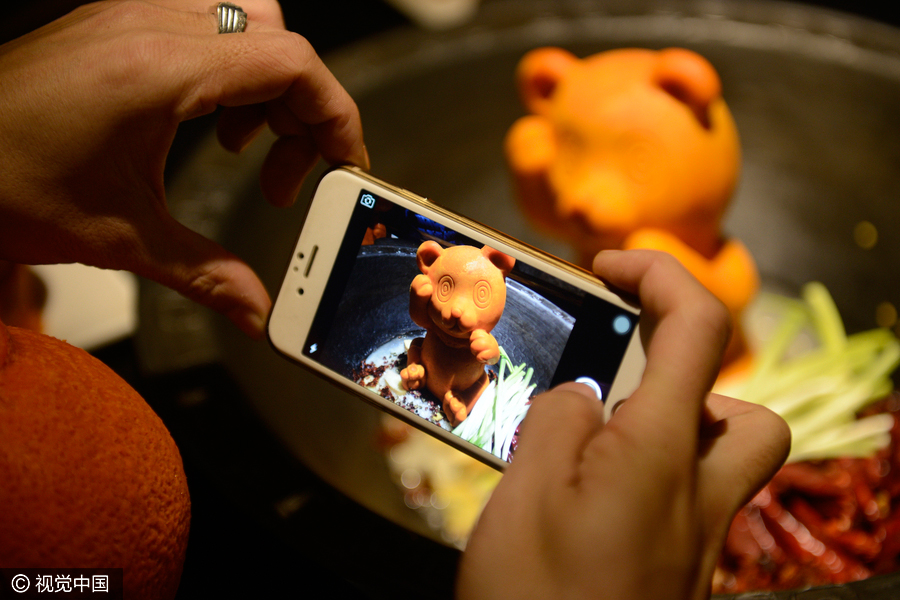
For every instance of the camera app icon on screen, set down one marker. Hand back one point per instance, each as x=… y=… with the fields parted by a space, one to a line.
x=367 y=200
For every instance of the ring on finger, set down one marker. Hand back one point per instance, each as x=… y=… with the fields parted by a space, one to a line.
x=231 y=18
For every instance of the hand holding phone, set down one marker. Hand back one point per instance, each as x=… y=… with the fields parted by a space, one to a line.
x=441 y=321
x=638 y=507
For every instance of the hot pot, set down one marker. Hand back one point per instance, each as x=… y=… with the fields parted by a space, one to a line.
x=815 y=97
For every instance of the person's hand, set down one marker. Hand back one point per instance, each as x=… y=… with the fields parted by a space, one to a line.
x=637 y=508
x=91 y=103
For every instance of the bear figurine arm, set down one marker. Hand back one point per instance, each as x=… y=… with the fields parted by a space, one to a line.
x=731 y=275
x=420 y=292
x=484 y=347
x=413 y=376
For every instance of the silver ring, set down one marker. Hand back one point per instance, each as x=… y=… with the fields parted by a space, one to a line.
x=232 y=19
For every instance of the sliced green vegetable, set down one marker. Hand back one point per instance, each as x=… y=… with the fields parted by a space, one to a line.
x=821 y=391
x=495 y=417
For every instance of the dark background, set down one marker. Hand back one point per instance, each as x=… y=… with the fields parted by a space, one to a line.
x=236 y=549
x=327 y=25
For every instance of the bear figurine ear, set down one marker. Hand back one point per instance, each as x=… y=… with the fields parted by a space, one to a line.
x=690 y=79
x=502 y=261
x=539 y=72
x=427 y=253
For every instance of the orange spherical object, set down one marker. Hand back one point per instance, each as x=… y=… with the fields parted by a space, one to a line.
x=90 y=476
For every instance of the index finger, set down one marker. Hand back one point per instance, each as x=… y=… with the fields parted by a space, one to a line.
x=266 y=64
x=685 y=329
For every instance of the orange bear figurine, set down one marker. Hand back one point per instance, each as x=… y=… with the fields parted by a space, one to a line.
x=633 y=148
x=458 y=299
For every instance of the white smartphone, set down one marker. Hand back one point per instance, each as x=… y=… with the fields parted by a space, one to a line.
x=445 y=323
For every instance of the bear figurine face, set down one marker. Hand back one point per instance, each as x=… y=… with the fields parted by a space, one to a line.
x=468 y=288
x=623 y=140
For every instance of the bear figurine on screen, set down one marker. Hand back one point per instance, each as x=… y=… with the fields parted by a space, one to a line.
x=458 y=299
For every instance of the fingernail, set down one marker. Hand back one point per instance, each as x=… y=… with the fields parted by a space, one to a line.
x=367 y=164
x=588 y=390
x=252 y=323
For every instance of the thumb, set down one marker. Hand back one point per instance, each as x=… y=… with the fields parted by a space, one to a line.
x=742 y=446
x=558 y=427
x=203 y=271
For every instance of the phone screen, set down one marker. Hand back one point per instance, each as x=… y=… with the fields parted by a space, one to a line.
x=549 y=331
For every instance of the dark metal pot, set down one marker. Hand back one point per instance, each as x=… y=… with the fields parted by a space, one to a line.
x=815 y=95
